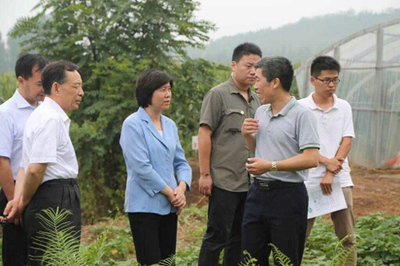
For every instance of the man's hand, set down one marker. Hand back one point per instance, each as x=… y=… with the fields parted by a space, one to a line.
x=205 y=184
x=13 y=211
x=334 y=165
x=250 y=126
x=326 y=183
x=257 y=166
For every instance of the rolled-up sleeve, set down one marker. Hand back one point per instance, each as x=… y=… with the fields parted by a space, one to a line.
x=137 y=158
x=182 y=168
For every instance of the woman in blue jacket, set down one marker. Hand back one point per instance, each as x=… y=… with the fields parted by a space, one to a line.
x=158 y=173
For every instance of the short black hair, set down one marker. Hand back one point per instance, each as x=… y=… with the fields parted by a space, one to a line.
x=246 y=48
x=26 y=62
x=277 y=67
x=149 y=81
x=322 y=63
x=56 y=72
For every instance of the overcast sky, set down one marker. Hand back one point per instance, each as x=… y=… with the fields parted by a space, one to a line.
x=233 y=16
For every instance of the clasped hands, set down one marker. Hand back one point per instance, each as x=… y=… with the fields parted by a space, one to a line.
x=178 y=198
x=333 y=167
x=13 y=211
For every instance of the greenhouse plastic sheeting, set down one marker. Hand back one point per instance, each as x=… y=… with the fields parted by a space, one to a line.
x=370 y=82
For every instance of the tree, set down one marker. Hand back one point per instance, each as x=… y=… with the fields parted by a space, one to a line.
x=113 y=41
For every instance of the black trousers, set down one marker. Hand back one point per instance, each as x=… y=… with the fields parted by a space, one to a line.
x=225 y=214
x=277 y=216
x=61 y=193
x=14 y=249
x=154 y=236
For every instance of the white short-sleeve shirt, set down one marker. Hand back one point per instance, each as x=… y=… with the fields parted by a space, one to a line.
x=46 y=140
x=13 y=115
x=333 y=124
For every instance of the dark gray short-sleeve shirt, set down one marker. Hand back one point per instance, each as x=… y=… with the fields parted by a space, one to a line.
x=224 y=110
x=284 y=135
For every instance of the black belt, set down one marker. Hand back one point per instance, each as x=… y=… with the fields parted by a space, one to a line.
x=263 y=184
x=71 y=181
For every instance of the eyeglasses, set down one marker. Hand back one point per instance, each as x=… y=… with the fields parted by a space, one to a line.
x=328 y=81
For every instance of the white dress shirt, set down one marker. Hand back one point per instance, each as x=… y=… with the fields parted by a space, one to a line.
x=333 y=125
x=46 y=140
x=13 y=115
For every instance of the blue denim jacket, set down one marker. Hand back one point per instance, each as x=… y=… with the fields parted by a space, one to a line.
x=152 y=161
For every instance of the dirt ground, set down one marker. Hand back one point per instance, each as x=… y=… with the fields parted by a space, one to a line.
x=374 y=190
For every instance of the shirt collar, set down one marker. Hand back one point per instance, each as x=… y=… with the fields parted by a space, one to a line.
x=288 y=107
x=314 y=106
x=21 y=102
x=233 y=89
x=50 y=102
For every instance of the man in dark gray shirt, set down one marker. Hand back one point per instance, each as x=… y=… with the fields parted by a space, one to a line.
x=285 y=140
x=223 y=154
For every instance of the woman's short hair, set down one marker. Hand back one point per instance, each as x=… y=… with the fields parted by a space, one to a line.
x=149 y=81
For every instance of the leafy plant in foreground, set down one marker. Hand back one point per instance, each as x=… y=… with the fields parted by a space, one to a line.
x=59 y=242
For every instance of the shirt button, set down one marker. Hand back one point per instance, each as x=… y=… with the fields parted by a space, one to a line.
x=166 y=158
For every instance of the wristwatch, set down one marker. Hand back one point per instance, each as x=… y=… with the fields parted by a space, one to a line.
x=274 y=168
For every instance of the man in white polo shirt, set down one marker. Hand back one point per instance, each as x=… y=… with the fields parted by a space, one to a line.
x=49 y=159
x=336 y=132
x=13 y=115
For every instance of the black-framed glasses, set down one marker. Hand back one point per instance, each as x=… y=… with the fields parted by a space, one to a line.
x=328 y=81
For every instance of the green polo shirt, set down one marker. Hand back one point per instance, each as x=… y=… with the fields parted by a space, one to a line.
x=224 y=110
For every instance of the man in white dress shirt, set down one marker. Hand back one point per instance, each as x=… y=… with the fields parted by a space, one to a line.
x=48 y=157
x=13 y=115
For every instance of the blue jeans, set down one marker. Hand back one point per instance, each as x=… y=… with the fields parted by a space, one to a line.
x=277 y=216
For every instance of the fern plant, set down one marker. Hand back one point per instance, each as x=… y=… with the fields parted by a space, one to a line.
x=279 y=257
x=248 y=260
x=342 y=254
x=59 y=243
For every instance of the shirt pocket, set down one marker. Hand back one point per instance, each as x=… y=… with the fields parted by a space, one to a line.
x=234 y=119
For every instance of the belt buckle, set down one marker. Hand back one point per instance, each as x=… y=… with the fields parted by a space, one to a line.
x=264 y=185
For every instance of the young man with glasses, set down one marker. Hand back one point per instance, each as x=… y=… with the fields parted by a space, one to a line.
x=336 y=132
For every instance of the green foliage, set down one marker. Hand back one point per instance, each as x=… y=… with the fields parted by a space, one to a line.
x=112 y=42
x=114 y=245
x=93 y=31
x=343 y=254
x=248 y=260
x=378 y=240
x=279 y=257
x=60 y=244
x=8 y=84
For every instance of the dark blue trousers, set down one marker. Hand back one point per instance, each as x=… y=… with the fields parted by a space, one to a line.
x=278 y=216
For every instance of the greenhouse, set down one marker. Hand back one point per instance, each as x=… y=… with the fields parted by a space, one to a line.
x=370 y=82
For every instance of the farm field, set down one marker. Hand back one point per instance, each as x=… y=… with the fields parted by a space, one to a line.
x=375 y=191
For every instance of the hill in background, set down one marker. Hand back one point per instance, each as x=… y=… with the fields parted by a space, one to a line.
x=297 y=41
